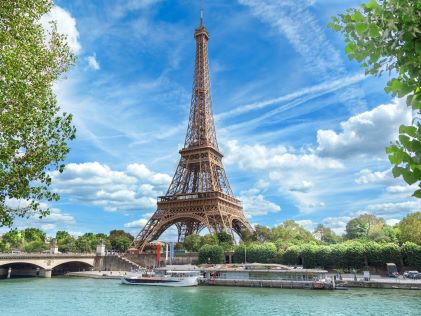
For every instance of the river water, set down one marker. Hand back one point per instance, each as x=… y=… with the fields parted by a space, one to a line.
x=79 y=296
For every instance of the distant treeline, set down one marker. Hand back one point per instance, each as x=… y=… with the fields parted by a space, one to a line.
x=35 y=240
x=368 y=241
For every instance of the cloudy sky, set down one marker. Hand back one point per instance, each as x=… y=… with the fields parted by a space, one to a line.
x=302 y=129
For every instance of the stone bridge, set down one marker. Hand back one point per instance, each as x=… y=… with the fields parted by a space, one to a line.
x=44 y=264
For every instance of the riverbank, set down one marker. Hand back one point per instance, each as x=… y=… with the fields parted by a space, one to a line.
x=98 y=274
x=377 y=282
x=381 y=283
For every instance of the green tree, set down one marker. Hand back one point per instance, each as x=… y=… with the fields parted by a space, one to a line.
x=120 y=233
x=262 y=253
x=36 y=246
x=121 y=244
x=326 y=234
x=411 y=254
x=3 y=246
x=263 y=233
x=290 y=232
x=33 y=132
x=68 y=245
x=385 y=35
x=62 y=235
x=410 y=228
x=225 y=241
x=210 y=239
x=193 y=242
x=34 y=234
x=211 y=254
x=87 y=242
x=365 y=226
x=13 y=238
x=291 y=255
x=120 y=240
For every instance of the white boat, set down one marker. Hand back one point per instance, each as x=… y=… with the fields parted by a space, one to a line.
x=169 y=278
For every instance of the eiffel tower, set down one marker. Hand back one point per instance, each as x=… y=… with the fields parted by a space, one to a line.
x=199 y=195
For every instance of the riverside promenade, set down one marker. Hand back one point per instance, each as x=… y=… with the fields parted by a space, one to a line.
x=378 y=281
x=98 y=274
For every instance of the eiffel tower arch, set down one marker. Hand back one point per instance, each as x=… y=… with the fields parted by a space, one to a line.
x=199 y=195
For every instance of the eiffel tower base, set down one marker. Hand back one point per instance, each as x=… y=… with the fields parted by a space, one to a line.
x=191 y=213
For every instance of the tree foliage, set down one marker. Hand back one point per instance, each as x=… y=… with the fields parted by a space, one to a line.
x=34 y=234
x=326 y=234
x=385 y=35
x=289 y=232
x=33 y=132
x=410 y=228
x=193 y=242
x=13 y=239
x=36 y=246
x=365 y=226
x=211 y=254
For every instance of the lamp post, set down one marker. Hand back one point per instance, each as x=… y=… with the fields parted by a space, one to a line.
x=245 y=254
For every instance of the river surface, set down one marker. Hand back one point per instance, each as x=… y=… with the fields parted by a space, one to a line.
x=79 y=296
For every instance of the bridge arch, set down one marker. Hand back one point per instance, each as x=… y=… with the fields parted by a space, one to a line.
x=21 y=269
x=37 y=264
x=87 y=262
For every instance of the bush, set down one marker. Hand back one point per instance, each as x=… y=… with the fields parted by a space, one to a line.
x=211 y=254
x=192 y=242
x=315 y=256
x=380 y=254
x=36 y=246
x=261 y=253
x=239 y=254
x=291 y=255
x=354 y=254
x=411 y=254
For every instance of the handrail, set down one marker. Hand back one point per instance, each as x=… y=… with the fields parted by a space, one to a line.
x=198 y=195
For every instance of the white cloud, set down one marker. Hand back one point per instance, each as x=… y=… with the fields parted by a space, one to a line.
x=260 y=157
x=306 y=223
x=92 y=62
x=302 y=186
x=367 y=176
x=316 y=91
x=393 y=207
x=97 y=184
x=55 y=216
x=392 y=221
x=255 y=204
x=137 y=224
x=123 y=7
x=406 y=189
x=337 y=224
x=66 y=25
x=48 y=227
x=365 y=134
x=142 y=172
x=294 y=21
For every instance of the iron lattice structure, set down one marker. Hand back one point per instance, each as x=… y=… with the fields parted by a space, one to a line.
x=199 y=195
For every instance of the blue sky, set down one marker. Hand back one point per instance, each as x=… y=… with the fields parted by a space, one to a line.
x=302 y=129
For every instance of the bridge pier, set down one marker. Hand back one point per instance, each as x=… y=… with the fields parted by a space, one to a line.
x=45 y=273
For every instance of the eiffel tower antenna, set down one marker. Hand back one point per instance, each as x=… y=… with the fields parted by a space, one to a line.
x=199 y=195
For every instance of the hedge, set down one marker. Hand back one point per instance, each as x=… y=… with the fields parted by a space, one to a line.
x=211 y=254
x=350 y=254
x=263 y=253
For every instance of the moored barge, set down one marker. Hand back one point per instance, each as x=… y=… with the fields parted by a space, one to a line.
x=267 y=275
